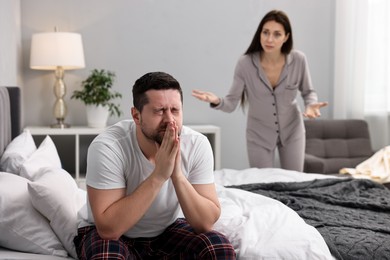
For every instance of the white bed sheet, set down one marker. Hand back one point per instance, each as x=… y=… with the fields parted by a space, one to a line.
x=263 y=228
x=15 y=255
x=228 y=177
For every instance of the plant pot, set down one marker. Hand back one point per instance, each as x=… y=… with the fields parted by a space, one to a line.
x=97 y=116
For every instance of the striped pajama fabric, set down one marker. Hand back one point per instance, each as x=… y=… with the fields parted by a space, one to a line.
x=178 y=241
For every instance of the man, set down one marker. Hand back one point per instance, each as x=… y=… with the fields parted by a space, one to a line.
x=141 y=173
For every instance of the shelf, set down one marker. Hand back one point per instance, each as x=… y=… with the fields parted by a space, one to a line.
x=74 y=130
x=70 y=138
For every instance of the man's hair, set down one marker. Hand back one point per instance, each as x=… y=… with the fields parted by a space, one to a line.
x=156 y=81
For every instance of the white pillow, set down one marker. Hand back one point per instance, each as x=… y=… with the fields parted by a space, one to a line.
x=17 y=152
x=55 y=194
x=22 y=227
x=45 y=156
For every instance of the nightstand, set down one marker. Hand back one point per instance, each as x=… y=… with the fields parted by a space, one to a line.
x=74 y=140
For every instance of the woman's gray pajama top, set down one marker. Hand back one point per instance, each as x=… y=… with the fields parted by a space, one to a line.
x=273 y=113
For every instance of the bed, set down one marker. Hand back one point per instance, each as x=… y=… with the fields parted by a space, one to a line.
x=351 y=215
x=266 y=213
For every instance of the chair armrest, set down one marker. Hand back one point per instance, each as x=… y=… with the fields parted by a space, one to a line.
x=313 y=164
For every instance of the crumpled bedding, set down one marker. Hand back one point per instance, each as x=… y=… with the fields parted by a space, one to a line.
x=261 y=228
x=352 y=215
x=376 y=168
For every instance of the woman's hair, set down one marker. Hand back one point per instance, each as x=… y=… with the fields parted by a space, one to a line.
x=156 y=81
x=279 y=17
x=255 y=46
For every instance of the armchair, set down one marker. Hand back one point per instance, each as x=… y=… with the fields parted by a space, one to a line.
x=332 y=144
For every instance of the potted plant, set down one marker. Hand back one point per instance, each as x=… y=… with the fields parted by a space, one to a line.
x=98 y=96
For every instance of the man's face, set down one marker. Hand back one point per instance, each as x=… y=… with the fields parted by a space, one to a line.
x=164 y=107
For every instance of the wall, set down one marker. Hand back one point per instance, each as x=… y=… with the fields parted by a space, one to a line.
x=198 y=42
x=10 y=44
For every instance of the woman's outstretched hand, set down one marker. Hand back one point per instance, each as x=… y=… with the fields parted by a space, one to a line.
x=313 y=110
x=206 y=96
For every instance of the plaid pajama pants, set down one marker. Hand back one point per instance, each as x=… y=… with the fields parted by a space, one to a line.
x=178 y=241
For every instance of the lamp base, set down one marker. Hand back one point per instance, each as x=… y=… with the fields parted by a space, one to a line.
x=60 y=124
x=60 y=109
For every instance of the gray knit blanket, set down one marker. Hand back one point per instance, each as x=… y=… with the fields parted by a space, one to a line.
x=353 y=215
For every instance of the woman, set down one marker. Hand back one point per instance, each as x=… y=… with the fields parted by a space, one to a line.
x=268 y=77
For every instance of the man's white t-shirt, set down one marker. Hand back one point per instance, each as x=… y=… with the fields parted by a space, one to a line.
x=115 y=160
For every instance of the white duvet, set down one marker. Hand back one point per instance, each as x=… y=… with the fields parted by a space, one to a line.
x=263 y=228
x=258 y=227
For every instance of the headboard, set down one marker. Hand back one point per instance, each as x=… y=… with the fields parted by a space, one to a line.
x=10 y=115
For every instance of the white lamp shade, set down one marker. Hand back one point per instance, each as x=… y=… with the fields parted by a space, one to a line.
x=57 y=49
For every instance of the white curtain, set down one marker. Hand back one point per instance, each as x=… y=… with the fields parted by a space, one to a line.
x=362 y=65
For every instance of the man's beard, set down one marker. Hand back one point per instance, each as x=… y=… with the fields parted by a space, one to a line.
x=155 y=135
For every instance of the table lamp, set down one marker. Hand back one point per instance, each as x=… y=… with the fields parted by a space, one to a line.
x=58 y=51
